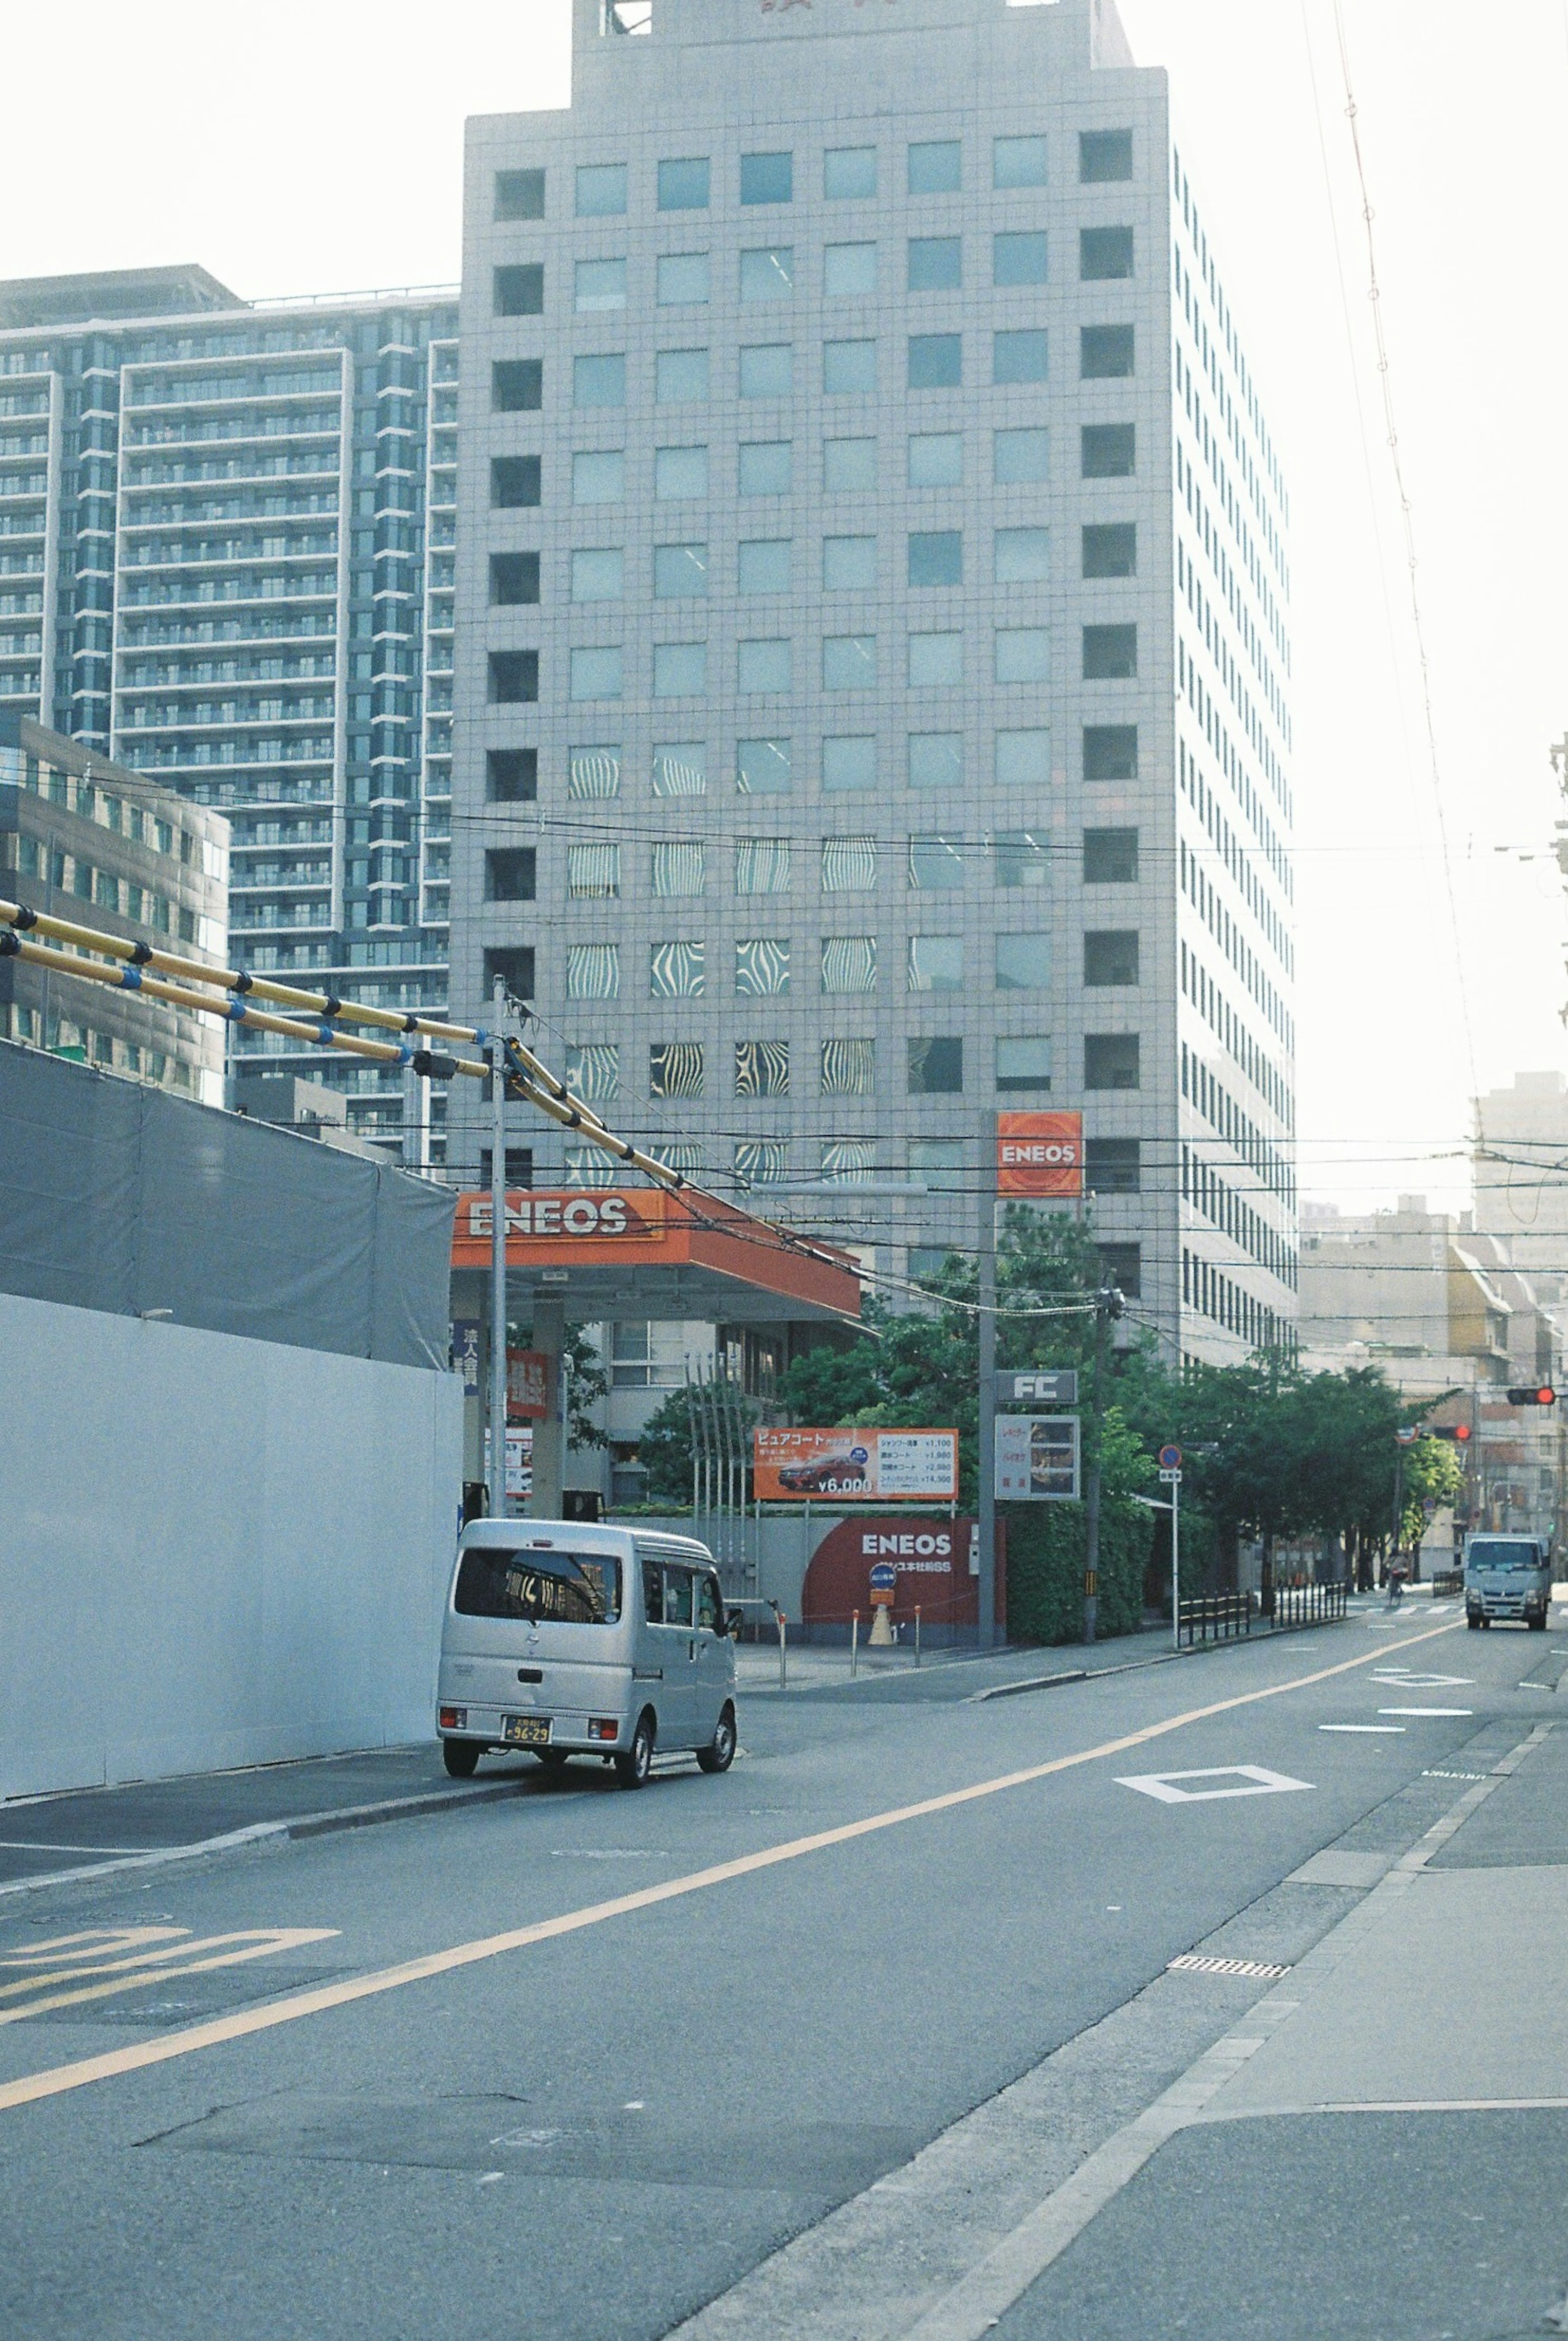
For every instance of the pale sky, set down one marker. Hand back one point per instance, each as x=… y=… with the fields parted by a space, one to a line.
x=326 y=157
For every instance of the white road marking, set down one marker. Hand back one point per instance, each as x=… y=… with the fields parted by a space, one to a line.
x=1394 y=1727
x=1407 y=1678
x=1426 y=1711
x=1254 y=1780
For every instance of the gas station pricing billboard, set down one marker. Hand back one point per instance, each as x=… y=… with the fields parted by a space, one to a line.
x=1037 y=1459
x=911 y=1467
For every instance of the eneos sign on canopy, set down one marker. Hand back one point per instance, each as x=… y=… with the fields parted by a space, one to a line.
x=1040 y=1154
x=911 y=1467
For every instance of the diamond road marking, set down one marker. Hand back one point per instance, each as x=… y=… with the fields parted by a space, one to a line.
x=1404 y=1679
x=1251 y=1779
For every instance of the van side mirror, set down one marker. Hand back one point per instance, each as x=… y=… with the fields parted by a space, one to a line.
x=733 y=1620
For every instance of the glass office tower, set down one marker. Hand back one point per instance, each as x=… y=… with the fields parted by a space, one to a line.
x=226 y=548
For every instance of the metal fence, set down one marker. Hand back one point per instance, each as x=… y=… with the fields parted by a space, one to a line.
x=1308 y=1605
x=1215 y=1617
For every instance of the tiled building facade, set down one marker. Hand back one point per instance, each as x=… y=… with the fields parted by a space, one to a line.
x=873 y=665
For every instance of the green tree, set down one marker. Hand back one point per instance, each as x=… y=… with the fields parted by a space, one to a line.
x=1433 y=1474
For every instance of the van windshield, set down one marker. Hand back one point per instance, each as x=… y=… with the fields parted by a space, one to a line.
x=573 y=1589
x=1505 y=1552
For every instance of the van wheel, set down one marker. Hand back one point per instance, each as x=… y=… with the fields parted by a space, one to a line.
x=1473 y=1623
x=461 y=1758
x=722 y=1754
x=634 y=1767
x=1538 y=1625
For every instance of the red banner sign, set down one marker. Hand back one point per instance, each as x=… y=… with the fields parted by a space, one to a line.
x=1040 y=1154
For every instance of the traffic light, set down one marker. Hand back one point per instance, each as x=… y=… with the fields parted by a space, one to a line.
x=1542 y=1395
x=1455 y=1430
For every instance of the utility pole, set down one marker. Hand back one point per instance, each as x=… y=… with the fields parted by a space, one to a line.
x=987 y=1410
x=498 y=1255
x=1107 y=1304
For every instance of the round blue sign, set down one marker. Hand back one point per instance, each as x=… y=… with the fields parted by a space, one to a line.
x=1170 y=1459
x=859 y=1454
x=884 y=1578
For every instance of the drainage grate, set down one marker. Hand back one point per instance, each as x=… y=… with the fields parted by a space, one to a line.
x=1192 y=1963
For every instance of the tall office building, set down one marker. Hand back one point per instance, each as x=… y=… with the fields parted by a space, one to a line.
x=871 y=705
x=226 y=562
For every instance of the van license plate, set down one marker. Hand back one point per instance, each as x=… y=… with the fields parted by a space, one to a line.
x=526 y=1730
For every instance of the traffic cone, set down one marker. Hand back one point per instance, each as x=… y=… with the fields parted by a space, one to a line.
x=881 y=1630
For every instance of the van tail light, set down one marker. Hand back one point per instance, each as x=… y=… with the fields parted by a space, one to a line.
x=454 y=1718
x=603 y=1726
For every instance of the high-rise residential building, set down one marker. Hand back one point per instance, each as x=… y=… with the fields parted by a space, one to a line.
x=872 y=704
x=1520 y=1145
x=227 y=561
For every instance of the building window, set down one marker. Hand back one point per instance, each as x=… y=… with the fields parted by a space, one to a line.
x=936 y=556
x=762 y=967
x=935 y=264
x=1110 y=654
x=594 y=872
x=936 y=167
x=1019 y=356
x=1111 y=956
x=593 y=773
x=761 y=865
x=601 y=190
x=848 y=865
x=766 y=467
x=683 y=186
x=935 y=862
x=1110 y=1061
x=1020 y=457
x=935 y=361
x=849 y=272
x=848 y=172
x=1108 y=450
x=599 y=285
x=1111 y=549
x=935 y=963
x=1110 y=857
x=849 y=765
x=680 y=572
x=593 y=1068
x=1020 y=857
x=514 y=963
x=848 y=465
x=761 y=1161
x=598 y=476
x=1104 y=353
x=936 y=459
x=1104 y=156
x=762 y=666
x=596 y=674
x=682 y=770
x=675 y=1068
x=519 y=194
x=767 y=178
x=514 y=483
x=512 y=775
x=1024 y=963
x=848 y=368
x=593 y=970
x=678 y=866
x=1110 y=752
x=1023 y=759
x=767 y=370
x=520 y=290
x=936 y=759
x=1122 y=1264
x=1018 y=162
x=514 y=580
x=762 y=1069
x=597 y=574
x=848 y=963
x=600 y=381
x=1018 y=257
x=848 y=1070
x=680 y=670
x=1023 y=556
x=762 y=767
x=1104 y=253
x=936 y=1067
x=848 y=563
x=767 y=275
x=680 y=473
x=680 y=377
x=762 y=566
x=681 y=279
x=849 y=662
x=935 y=658
x=677 y=970
x=517 y=386
x=1113 y=1166
x=1023 y=1063
x=1022 y=654
x=514 y=678
x=509 y=873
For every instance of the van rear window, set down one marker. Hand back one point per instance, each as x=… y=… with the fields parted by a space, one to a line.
x=573 y=1589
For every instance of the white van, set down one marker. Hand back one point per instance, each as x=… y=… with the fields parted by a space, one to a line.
x=578 y=1640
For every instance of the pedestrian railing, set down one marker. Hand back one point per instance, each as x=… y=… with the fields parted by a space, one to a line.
x=1308 y=1605
x=1215 y=1617
x=1448 y=1581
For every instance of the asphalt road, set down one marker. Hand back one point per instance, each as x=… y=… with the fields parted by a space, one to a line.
x=613 y=2085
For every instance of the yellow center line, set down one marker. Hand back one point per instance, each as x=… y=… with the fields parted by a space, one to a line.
x=291 y=2009
x=257 y=1943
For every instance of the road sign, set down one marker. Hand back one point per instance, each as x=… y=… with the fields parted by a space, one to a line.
x=1171 y=1478
x=1037 y=1458
x=1041 y=1386
x=884 y=1584
x=1406 y=1436
x=1170 y=1459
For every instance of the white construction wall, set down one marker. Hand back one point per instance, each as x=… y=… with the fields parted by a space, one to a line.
x=212 y=1550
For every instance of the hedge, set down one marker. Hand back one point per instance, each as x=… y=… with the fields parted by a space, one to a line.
x=1046 y=1569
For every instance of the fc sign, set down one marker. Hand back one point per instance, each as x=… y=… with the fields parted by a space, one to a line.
x=1040 y=1154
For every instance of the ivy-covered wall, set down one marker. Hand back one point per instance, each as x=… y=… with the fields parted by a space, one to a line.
x=1046 y=1569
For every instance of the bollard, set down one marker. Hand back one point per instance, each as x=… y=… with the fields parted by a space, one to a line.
x=780 y=1615
x=853 y=1643
x=917 y=1633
